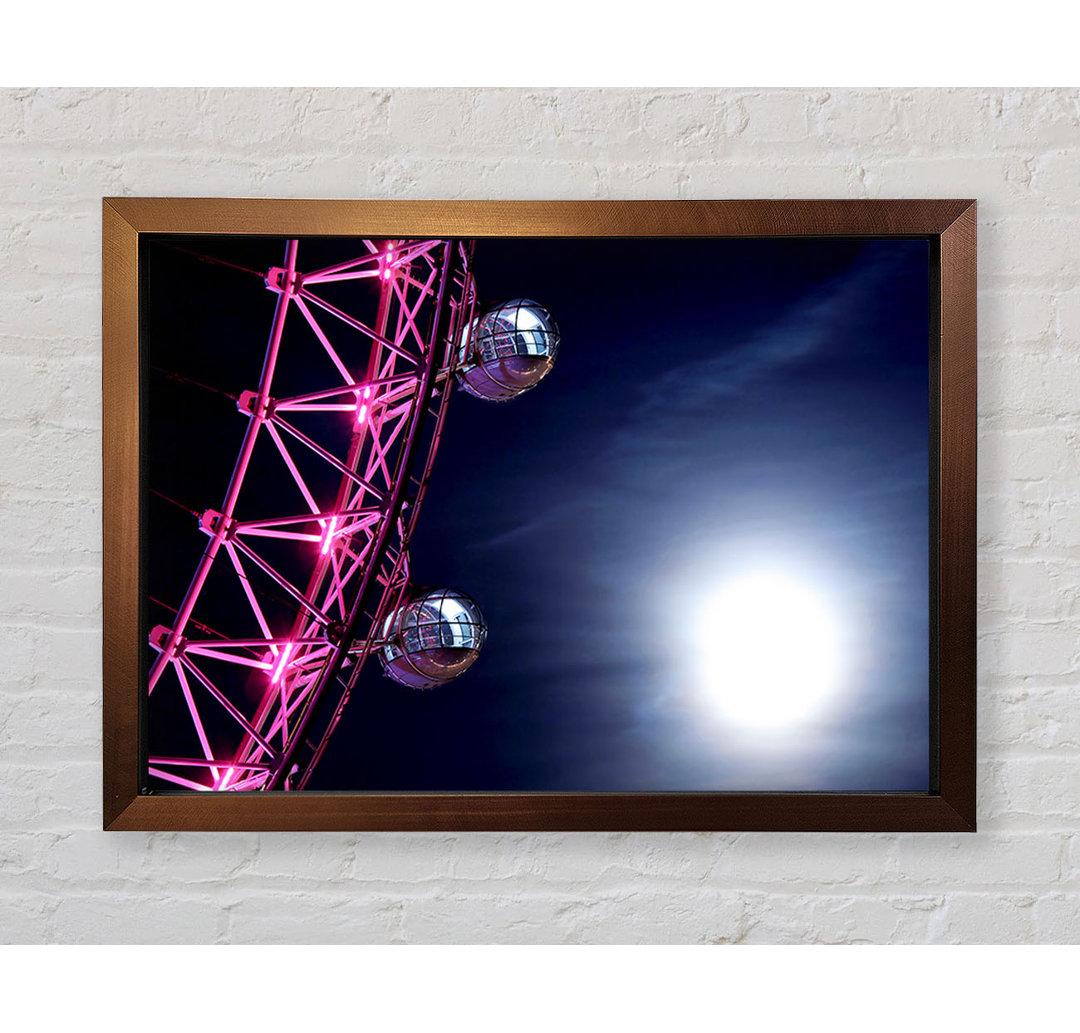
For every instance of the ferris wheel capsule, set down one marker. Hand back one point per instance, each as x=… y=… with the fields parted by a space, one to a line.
x=432 y=639
x=507 y=350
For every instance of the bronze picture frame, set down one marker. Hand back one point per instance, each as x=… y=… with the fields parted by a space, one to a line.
x=950 y=228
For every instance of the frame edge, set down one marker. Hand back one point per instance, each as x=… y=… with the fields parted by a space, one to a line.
x=120 y=512
x=957 y=472
x=954 y=809
x=523 y=218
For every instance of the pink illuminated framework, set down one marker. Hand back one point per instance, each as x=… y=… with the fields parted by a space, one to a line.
x=264 y=697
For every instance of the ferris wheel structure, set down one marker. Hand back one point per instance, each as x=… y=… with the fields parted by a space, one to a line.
x=315 y=555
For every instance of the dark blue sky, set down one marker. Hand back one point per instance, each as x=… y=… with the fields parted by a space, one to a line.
x=716 y=406
x=713 y=402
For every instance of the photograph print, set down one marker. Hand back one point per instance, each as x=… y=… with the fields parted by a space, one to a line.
x=536 y=515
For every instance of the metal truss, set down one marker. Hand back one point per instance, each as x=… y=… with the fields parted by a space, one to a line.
x=317 y=581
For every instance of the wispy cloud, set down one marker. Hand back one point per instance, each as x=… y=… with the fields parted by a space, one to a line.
x=661 y=436
x=526 y=531
x=804 y=330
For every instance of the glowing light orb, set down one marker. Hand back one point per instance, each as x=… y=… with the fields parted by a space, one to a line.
x=770 y=651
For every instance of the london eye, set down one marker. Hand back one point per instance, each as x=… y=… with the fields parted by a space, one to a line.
x=304 y=578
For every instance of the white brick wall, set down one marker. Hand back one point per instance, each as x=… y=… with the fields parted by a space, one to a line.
x=1017 y=880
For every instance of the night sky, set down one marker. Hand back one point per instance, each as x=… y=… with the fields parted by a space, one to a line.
x=716 y=407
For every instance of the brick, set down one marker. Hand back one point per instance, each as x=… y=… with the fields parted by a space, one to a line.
x=31 y=313
x=591 y=119
x=1048 y=244
x=680 y=126
x=1071 y=873
x=684 y=913
x=396 y=858
x=780 y=116
x=560 y=180
x=326 y=112
x=57 y=183
x=47 y=652
x=942 y=862
x=117 y=860
x=1023 y=316
x=105 y=917
x=65 y=116
x=520 y=114
x=811 y=860
x=50 y=393
x=972 y=120
x=46 y=463
x=314 y=918
x=373 y=860
x=62 y=244
x=1067 y=315
x=998 y=181
x=13 y=104
x=1039 y=454
x=1054 y=175
x=64 y=720
x=863 y=118
x=1049 y=376
x=1036 y=717
x=63 y=797
x=426 y=122
x=64 y=592
x=1019 y=517
x=683 y=916
x=844 y=177
x=1035 y=590
x=25 y=917
x=201 y=856
x=1041 y=787
x=974 y=918
x=820 y=918
x=61 y=530
x=1042 y=650
x=658 y=182
x=1057 y=918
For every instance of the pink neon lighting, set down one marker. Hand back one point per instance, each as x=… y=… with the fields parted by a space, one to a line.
x=329 y=537
x=282 y=661
x=404 y=355
x=362 y=409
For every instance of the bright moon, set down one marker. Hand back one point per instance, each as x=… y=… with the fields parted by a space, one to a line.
x=770 y=654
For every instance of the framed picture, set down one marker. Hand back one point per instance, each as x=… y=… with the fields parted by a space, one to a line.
x=526 y=515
